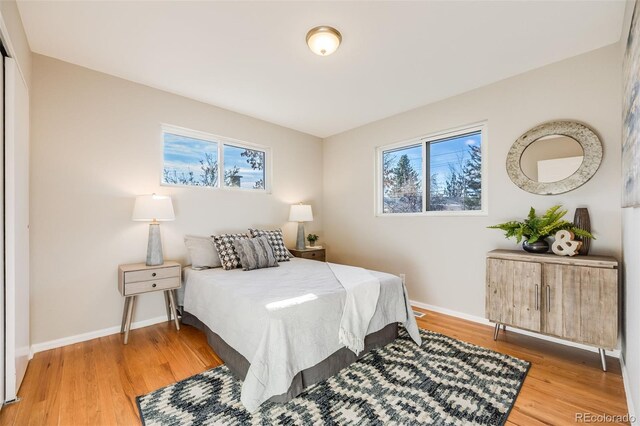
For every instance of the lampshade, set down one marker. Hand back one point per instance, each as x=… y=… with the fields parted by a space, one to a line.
x=300 y=213
x=323 y=40
x=153 y=208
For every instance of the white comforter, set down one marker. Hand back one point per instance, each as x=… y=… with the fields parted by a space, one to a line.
x=284 y=320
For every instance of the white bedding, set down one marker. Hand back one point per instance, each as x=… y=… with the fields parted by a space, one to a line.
x=363 y=291
x=284 y=320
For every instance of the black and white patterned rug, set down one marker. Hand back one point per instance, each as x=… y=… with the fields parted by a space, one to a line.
x=443 y=382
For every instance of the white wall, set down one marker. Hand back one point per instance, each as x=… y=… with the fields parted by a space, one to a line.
x=631 y=275
x=631 y=301
x=444 y=257
x=96 y=144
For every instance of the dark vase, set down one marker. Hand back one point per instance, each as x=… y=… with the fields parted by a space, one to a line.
x=540 y=246
x=581 y=220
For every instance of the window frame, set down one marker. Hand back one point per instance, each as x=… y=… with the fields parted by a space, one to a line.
x=424 y=141
x=221 y=141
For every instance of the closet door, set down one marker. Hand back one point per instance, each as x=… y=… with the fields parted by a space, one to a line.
x=16 y=165
x=2 y=282
x=513 y=293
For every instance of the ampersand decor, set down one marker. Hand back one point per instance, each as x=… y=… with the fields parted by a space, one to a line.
x=565 y=245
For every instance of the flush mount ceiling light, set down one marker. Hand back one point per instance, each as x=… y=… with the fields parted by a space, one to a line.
x=323 y=40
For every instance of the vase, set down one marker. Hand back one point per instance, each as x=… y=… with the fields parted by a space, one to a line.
x=581 y=220
x=312 y=243
x=540 y=246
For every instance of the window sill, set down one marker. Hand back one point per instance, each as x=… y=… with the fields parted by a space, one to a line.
x=217 y=188
x=469 y=213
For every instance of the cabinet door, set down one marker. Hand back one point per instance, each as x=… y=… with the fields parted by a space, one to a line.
x=581 y=304
x=513 y=293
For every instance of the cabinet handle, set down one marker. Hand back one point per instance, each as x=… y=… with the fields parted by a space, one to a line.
x=153 y=274
x=548 y=299
x=154 y=285
x=537 y=297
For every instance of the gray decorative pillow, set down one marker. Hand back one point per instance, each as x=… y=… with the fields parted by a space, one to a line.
x=276 y=239
x=202 y=252
x=255 y=253
x=227 y=251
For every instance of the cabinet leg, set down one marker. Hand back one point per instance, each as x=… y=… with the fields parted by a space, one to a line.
x=174 y=309
x=127 y=326
x=603 y=359
x=124 y=314
x=167 y=304
x=496 y=330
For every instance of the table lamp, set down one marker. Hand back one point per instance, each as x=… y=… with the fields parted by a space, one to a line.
x=153 y=208
x=300 y=213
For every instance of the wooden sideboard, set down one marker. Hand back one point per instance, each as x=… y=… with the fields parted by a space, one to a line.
x=573 y=298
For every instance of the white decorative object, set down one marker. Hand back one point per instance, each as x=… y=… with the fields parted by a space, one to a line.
x=565 y=245
x=300 y=213
x=153 y=208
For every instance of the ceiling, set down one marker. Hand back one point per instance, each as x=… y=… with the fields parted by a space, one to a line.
x=251 y=57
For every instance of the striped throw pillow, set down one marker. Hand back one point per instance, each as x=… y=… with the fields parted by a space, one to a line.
x=276 y=240
x=255 y=253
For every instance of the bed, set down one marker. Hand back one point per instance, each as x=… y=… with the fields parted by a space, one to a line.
x=277 y=328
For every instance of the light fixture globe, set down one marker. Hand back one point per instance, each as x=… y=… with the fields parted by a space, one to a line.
x=323 y=40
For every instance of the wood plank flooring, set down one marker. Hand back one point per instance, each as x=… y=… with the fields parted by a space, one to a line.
x=95 y=382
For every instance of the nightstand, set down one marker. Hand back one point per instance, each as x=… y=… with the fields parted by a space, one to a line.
x=313 y=253
x=137 y=278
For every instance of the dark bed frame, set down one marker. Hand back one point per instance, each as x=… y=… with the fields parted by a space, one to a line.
x=238 y=364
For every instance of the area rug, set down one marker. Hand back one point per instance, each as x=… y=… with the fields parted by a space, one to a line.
x=443 y=382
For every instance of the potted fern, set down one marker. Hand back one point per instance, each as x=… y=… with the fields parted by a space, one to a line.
x=535 y=229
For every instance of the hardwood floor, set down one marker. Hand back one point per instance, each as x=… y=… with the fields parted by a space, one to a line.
x=95 y=382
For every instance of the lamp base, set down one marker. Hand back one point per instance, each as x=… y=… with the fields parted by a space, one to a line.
x=154 y=247
x=300 y=240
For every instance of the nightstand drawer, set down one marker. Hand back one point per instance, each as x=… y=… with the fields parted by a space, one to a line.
x=151 y=274
x=154 y=285
x=315 y=255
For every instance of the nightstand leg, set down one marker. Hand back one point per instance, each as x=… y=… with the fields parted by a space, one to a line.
x=127 y=326
x=124 y=313
x=174 y=309
x=167 y=304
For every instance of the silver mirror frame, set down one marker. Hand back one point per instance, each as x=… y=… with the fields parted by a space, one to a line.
x=586 y=137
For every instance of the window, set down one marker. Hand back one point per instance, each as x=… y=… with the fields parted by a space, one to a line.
x=198 y=159
x=236 y=172
x=437 y=174
x=402 y=180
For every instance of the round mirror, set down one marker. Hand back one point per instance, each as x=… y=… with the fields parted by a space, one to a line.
x=551 y=158
x=554 y=157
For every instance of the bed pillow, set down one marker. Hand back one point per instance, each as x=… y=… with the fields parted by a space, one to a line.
x=227 y=251
x=202 y=252
x=255 y=253
x=276 y=239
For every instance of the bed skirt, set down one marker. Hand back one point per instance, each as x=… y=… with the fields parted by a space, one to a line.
x=238 y=364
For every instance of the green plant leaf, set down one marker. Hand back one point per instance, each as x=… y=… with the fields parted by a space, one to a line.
x=535 y=228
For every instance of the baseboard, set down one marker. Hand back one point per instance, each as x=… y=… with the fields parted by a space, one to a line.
x=627 y=391
x=52 y=344
x=481 y=320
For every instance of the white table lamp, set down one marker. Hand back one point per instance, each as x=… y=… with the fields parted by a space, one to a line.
x=300 y=213
x=153 y=208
